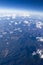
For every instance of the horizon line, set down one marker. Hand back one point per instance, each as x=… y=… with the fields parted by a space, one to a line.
x=4 y=11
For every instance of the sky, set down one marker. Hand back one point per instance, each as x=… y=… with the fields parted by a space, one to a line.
x=36 y=5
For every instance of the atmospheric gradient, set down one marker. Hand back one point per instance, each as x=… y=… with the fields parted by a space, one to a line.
x=21 y=32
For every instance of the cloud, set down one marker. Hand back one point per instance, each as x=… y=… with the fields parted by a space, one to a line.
x=16 y=23
x=39 y=39
x=39 y=24
x=18 y=29
x=39 y=51
x=27 y=22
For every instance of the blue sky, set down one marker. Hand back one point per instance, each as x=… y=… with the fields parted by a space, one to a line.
x=36 y=5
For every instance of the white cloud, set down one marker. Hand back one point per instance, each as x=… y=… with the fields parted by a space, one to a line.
x=13 y=16
x=18 y=29
x=42 y=56
x=4 y=33
x=39 y=39
x=8 y=18
x=26 y=22
x=39 y=51
x=11 y=21
x=39 y=24
x=16 y=23
x=7 y=43
x=11 y=32
x=34 y=53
